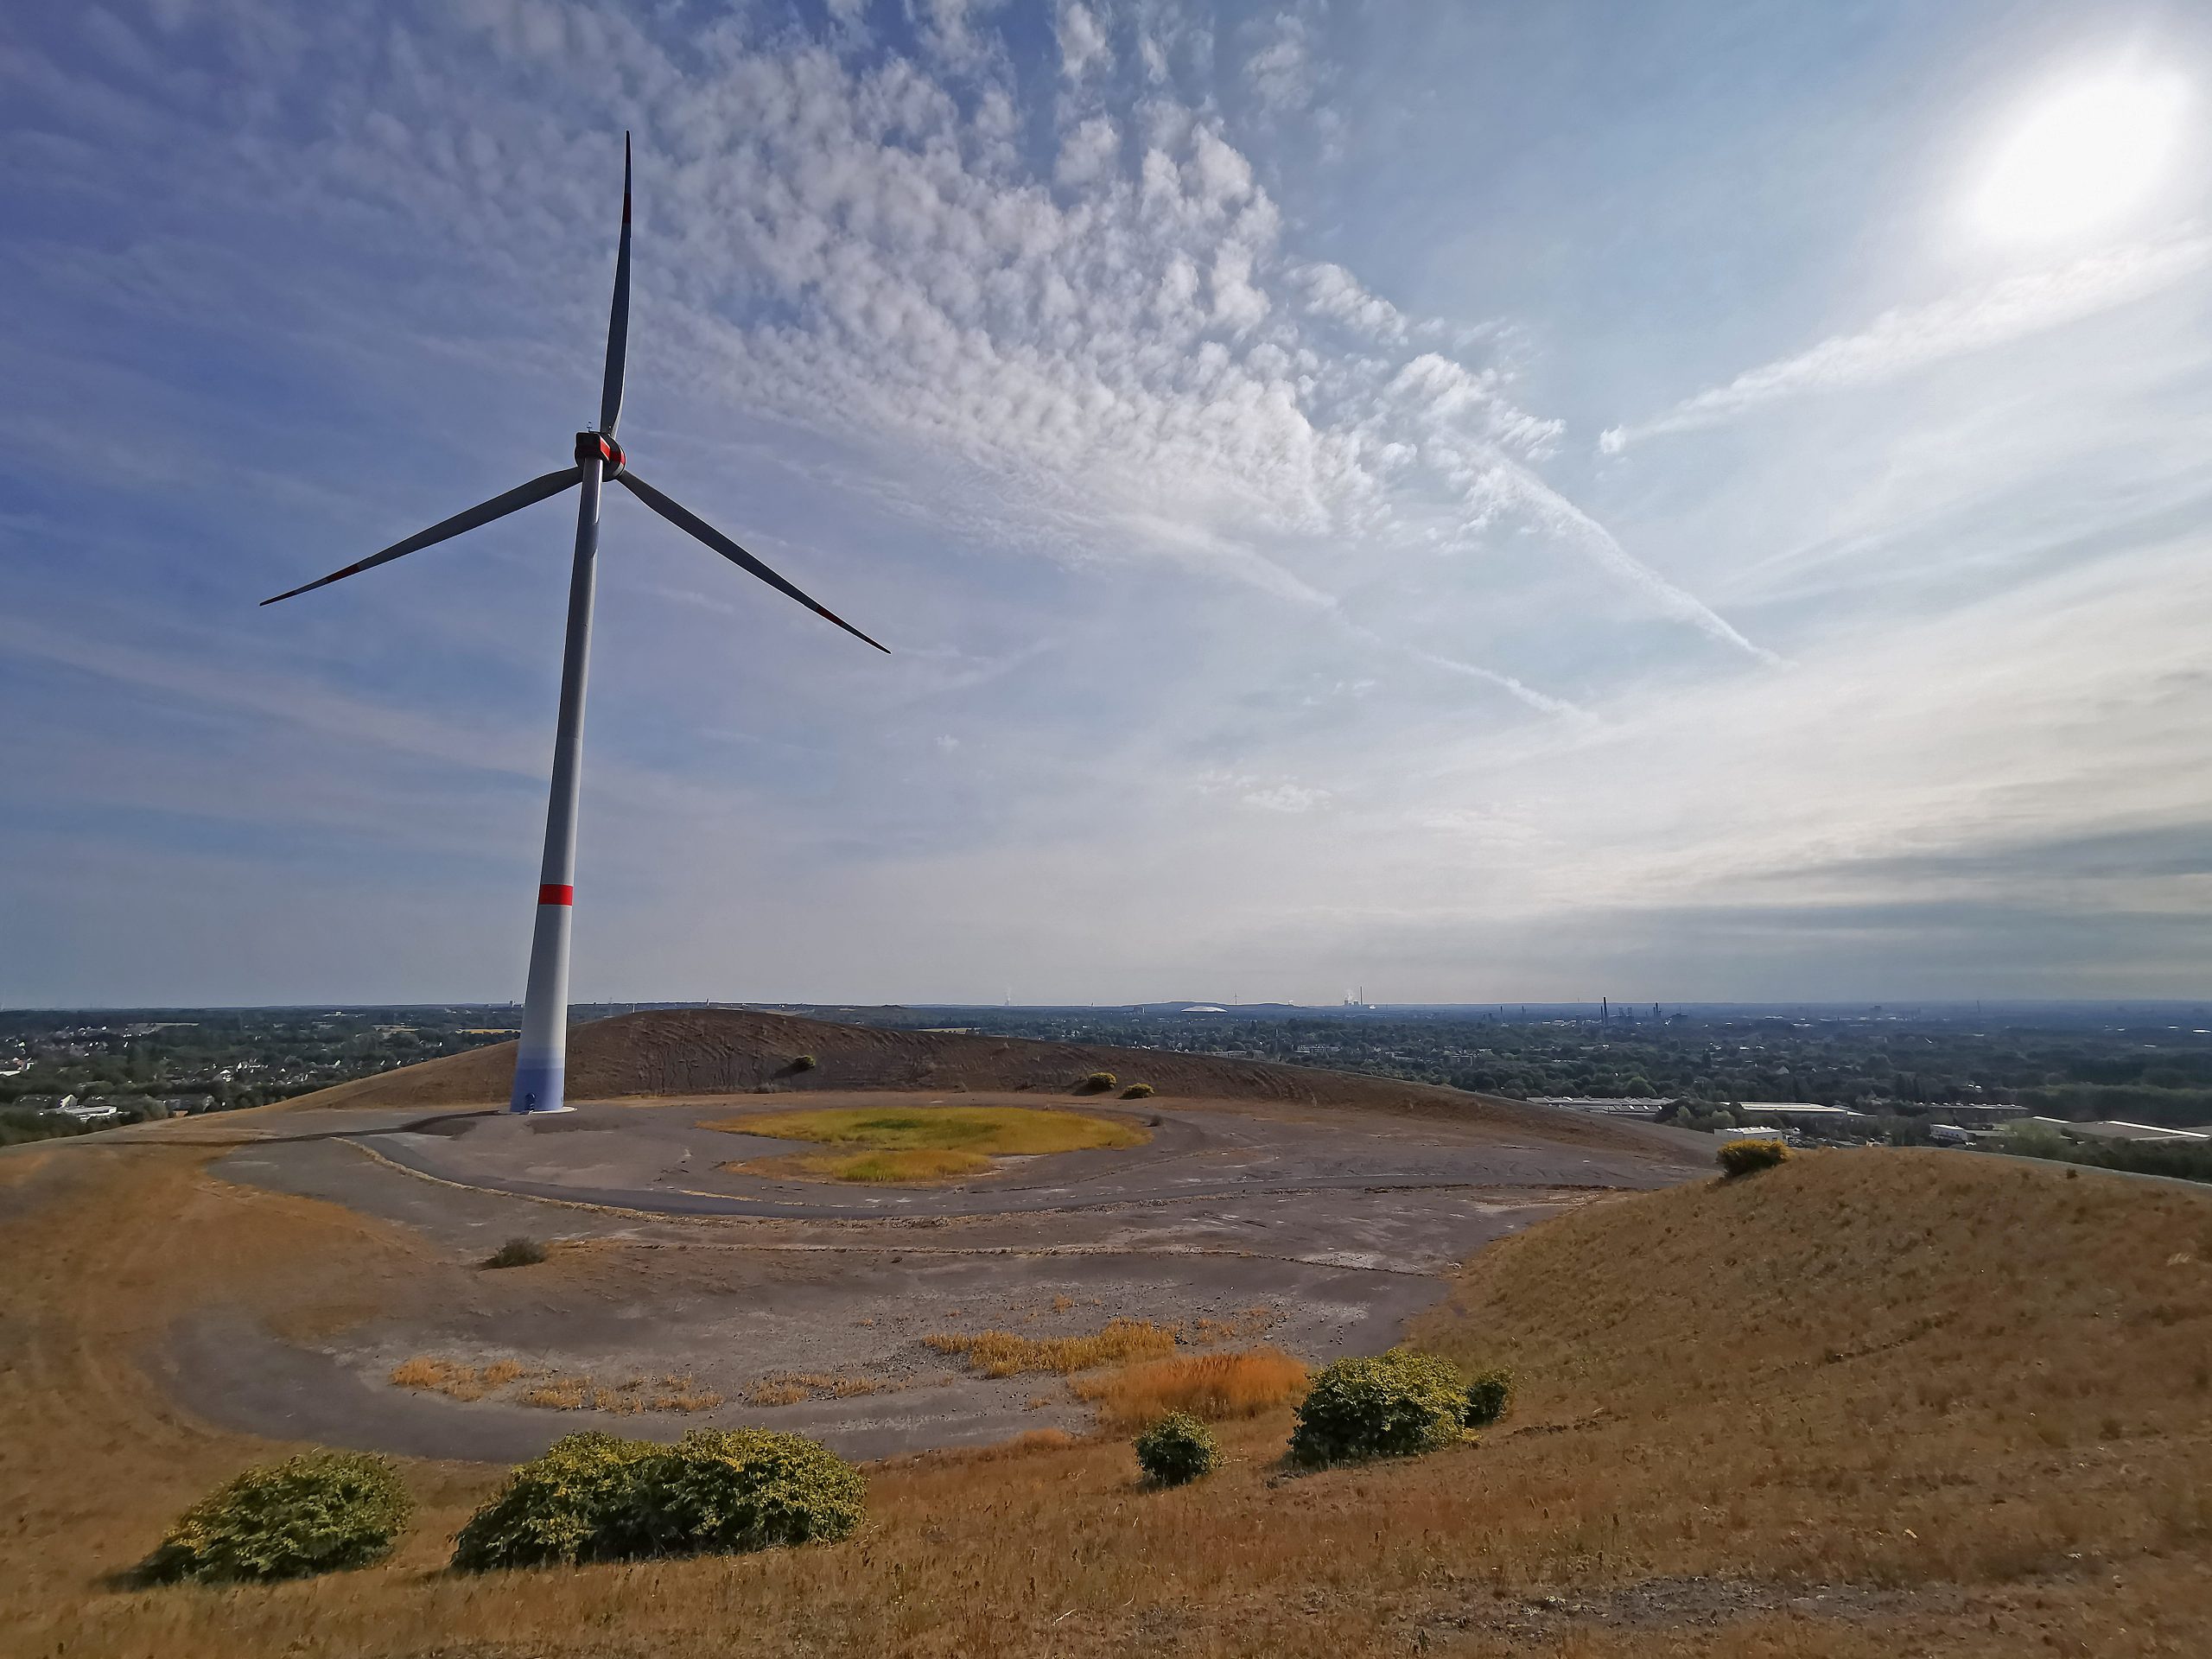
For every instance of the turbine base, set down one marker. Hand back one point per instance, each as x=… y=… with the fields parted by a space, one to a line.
x=538 y=1088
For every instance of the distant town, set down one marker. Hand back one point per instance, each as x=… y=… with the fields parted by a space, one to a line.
x=2125 y=1084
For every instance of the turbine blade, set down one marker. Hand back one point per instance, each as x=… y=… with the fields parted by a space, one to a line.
x=684 y=519
x=618 y=316
x=497 y=507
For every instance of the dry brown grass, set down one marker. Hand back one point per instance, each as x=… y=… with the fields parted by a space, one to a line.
x=555 y=1392
x=1252 y=1322
x=1966 y=1398
x=682 y=1393
x=453 y=1378
x=622 y=1400
x=794 y=1388
x=1217 y=1387
x=559 y=1394
x=1002 y=1353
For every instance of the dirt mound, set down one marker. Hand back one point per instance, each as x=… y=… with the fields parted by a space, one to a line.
x=736 y=1051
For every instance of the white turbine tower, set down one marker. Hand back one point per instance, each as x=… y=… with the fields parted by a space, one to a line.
x=542 y=1056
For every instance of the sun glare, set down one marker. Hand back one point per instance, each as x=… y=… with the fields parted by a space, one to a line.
x=2082 y=158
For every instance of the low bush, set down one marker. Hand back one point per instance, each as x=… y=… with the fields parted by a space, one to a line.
x=804 y=1062
x=1739 y=1158
x=1488 y=1393
x=1137 y=1092
x=593 y=1498
x=320 y=1512
x=567 y=1505
x=730 y=1490
x=517 y=1252
x=1097 y=1084
x=1177 y=1450
x=1395 y=1405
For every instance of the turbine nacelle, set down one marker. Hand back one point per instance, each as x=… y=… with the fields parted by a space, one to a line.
x=600 y=447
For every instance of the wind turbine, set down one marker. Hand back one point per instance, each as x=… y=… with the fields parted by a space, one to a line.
x=541 y=1058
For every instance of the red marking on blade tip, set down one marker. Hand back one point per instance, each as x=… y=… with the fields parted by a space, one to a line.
x=551 y=895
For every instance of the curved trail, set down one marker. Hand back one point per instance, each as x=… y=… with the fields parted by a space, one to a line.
x=682 y=1201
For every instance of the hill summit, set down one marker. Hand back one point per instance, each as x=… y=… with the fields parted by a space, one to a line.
x=738 y=1051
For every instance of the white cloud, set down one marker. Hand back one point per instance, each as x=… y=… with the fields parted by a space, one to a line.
x=950 y=35
x=1083 y=41
x=1910 y=338
x=1333 y=291
x=1285 y=798
x=1282 y=71
x=860 y=257
x=1268 y=795
x=1089 y=152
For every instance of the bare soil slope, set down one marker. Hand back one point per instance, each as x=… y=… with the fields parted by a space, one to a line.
x=735 y=1051
x=1869 y=1403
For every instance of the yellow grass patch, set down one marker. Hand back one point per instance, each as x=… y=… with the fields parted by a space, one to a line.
x=559 y=1394
x=1002 y=1353
x=791 y=1388
x=452 y=1378
x=682 y=1393
x=1216 y=1387
x=553 y=1392
x=905 y=1145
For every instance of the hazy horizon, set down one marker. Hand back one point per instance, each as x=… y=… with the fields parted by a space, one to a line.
x=1628 y=1008
x=1488 y=503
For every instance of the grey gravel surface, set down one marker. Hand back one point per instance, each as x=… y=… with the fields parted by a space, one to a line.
x=1321 y=1231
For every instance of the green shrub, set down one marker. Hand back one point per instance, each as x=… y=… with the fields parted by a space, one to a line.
x=1488 y=1393
x=1097 y=1084
x=517 y=1252
x=316 y=1513
x=1137 y=1092
x=567 y=1505
x=1739 y=1158
x=804 y=1062
x=593 y=1498
x=725 y=1490
x=1176 y=1450
x=1395 y=1405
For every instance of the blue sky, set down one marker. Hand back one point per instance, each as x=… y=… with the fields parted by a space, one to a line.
x=1483 y=502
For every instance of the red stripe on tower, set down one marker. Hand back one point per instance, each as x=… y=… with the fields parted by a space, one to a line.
x=550 y=894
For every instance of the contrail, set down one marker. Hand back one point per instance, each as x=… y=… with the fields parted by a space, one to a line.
x=1247 y=564
x=1911 y=337
x=1564 y=519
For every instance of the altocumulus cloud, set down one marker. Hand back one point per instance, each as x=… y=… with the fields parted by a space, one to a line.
x=1255 y=615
